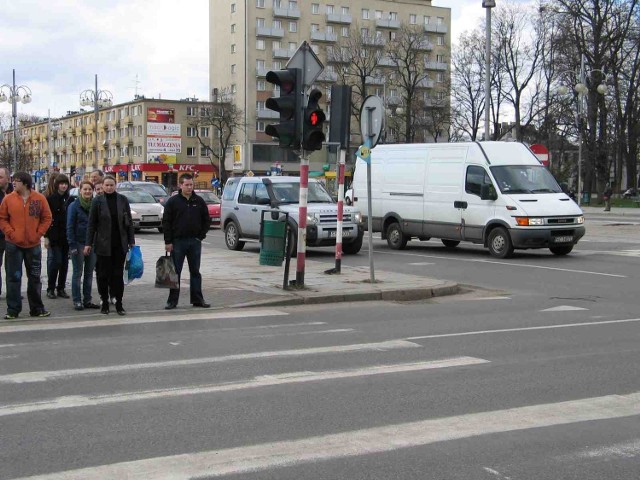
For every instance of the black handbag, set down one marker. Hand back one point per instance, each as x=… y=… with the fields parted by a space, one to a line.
x=166 y=276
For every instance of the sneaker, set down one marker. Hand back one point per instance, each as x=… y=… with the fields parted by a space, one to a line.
x=51 y=294
x=11 y=316
x=40 y=313
x=62 y=294
x=78 y=306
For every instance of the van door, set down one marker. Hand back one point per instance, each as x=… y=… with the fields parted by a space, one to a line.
x=475 y=211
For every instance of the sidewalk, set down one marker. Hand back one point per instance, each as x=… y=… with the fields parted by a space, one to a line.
x=235 y=279
x=615 y=211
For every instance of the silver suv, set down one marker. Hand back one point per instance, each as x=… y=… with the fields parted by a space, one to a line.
x=245 y=198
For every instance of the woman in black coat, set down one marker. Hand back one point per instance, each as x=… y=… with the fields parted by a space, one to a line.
x=56 y=238
x=110 y=233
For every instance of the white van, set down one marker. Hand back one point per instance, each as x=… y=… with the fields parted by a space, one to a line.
x=493 y=193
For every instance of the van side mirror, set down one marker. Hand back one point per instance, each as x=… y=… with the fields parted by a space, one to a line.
x=487 y=192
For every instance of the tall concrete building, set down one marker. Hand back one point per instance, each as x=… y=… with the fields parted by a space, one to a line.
x=248 y=38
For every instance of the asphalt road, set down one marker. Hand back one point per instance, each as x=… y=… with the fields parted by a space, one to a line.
x=532 y=376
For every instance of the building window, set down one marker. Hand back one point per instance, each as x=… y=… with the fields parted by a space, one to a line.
x=440 y=77
x=191 y=131
x=277 y=24
x=261 y=85
x=393 y=15
x=440 y=58
x=259 y=106
x=392 y=35
x=330 y=29
x=260 y=126
x=259 y=22
x=329 y=9
x=365 y=14
x=260 y=44
x=233 y=8
x=378 y=14
x=233 y=48
x=276 y=3
x=233 y=69
x=233 y=28
x=440 y=21
x=345 y=10
x=277 y=65
x=276 y=45
x=191 y=151
x=315 y=8
x=364 y=32
x=345 y=31
x=192 y=111
x=293 y=5
x=413 y=19
x=234 y=88
x=440 y=40
x=204 y=131
x=427 y=20
x=260 y=65
x=315 y=27
x=203 y=151
x=292 y=46
x=139 y=130
x=293 y=27
x=259 y=3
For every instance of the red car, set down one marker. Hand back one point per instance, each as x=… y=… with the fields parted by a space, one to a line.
x=213 y=204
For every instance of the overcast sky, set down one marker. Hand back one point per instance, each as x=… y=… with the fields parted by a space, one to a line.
x=57 y=46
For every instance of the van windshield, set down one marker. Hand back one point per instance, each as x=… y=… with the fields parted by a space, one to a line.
x=532 y=179
x=290 y=193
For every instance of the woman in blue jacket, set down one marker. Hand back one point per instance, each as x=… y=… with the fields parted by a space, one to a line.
x=77 y=222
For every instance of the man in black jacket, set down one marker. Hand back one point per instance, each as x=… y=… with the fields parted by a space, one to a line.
x=185 y=224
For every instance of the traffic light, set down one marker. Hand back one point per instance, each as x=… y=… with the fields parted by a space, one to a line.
x=288 y=104
x=314 y=117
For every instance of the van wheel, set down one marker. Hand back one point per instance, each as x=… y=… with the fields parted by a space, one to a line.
x=395 y=238
x=450 y=243
x=232 y=237
x=563 y=250
x=500 y=245
x=352 y=248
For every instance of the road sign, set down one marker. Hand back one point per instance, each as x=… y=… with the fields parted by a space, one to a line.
x=541 y=152
x=306 y=60
x=371 y=120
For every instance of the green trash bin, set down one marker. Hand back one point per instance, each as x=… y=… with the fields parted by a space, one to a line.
x=274 y=235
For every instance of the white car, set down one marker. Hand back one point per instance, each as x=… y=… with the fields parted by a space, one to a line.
x=146 y=212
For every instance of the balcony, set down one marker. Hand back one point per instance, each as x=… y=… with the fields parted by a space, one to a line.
x=386 y=62
x=116 y=141
x=286 y=12
x=128 y=120
x=269 y=32
x=387 y=23
x=127 y=140
x=327 y=76
x=375 y=80
x=431 y=28
x=89 y=128
x=102 y=125
x=318 y=36
x=337 y=18
x=265 y=113
x=261 y=71
x=80 y=130
x=436 y=66
x=338 y=58
x=424 y=45
x=376 y=41
x=282 y=53
x=426 y=83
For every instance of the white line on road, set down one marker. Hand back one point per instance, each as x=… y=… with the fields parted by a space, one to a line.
x=524 y=329
x=313 y=332
x=368 y=441
x=509 y=264
x=77 y=401
x=112 y=321
x=43 y=376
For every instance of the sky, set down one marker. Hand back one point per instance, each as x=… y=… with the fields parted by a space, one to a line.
x=152 y=47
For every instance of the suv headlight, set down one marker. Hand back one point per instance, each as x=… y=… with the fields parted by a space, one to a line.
x=312 y=219
x=580 y=219
x=357 y=217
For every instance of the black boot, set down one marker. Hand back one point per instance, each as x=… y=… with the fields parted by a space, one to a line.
x=119 y=308
x=105 y=307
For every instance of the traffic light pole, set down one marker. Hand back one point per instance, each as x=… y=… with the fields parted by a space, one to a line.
x=302 y=220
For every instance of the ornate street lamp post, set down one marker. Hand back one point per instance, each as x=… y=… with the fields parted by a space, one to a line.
x=97 y=99
x=20 y=93
x=488 y=4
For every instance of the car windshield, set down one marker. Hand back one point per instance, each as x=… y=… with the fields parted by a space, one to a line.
x=136 y=196
x=209 y=197
x=290 y=193
x=532 y=179
x=154 y=189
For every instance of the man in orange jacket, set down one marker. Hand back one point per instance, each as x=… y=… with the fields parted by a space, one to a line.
x=24 y=218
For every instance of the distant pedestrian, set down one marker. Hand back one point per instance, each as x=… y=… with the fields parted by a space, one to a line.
x=5 y=189
x=606 y=195
x=96 y=175
x=110 y=234
x=24 y=218
x=98 y=187
x=83 y=265
x=55 y=240
x=51 y=185
x=185 y=224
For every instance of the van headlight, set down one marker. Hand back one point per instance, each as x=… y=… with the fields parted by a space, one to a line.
x=312 y=219
x=529 y=221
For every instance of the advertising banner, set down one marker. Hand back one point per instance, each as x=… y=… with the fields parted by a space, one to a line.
x=164 y=145
x=168 y=158
x=160 y=115
x=163 y=129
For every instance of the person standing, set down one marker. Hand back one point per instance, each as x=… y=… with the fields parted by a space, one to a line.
x=83 y=265
x=607 y=197
x=56 y=239
x=24 y=218
x=110 y=233
x=5 y=188
x=97 y=187
x=185 y=224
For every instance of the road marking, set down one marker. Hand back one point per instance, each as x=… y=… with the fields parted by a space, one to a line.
x=77 y=401
x=389 y=438
x=35 y=327
x=6 y=345
x=524 y=329
x=43 y=376
x=422 y=263
x=495 y=473
x=509 y=264
x=563 y=308
x=289 y=334
x=621 y=450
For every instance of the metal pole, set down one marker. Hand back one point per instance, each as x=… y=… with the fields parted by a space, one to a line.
x=487 y=80
x=372 y=275
x=95 y=128
x=14 y=113
x=579 y=123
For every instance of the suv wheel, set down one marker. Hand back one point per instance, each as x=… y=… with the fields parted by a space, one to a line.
x=352 y=248
x=232 y=237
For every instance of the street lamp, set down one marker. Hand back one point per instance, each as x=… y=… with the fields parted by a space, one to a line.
x=20 y=93
x=97 y=99
x=488 y=4
x=581 y=90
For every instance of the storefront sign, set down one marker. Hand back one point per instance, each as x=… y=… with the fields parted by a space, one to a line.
x=160 y=115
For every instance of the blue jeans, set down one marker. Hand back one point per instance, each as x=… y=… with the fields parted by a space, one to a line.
x=32 y=259
x=82 y=278
x=191 y=248
x=57 y=266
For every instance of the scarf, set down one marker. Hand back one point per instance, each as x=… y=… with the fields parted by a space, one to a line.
x=85 y=204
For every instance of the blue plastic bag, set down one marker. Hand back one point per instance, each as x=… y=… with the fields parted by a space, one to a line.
x=133 y=265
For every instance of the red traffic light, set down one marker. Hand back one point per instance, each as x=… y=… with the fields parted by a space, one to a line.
x=313 y=119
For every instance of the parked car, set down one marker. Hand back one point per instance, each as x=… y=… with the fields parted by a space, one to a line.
x=630 y=193
x=245 y=198
x=213 y=205
x=158 y=191
x=145 y=210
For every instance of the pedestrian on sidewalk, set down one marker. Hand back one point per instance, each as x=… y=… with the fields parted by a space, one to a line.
x=24 y=218
x=606 y=195
x=83 y=265
x=55 y=240
x=110 y=234
x=185 y=224
x=5 y=189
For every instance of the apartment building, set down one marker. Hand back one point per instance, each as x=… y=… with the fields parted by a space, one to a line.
x=248 y=38
x=144 y=139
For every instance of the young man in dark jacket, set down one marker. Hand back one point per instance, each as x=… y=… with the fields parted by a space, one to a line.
x=186 y=223
x=56 y=240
